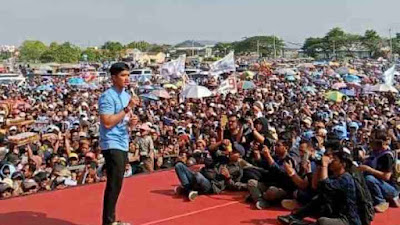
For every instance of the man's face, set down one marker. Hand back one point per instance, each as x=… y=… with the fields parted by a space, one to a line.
x=121 y=79
x=335 y=165
x=303 y=149
x=232 y=123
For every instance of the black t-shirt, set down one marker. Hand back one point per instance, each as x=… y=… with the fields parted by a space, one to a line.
x=385 y=163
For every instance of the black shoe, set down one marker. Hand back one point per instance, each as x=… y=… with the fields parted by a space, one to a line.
x=300 y=222
x=288 y=219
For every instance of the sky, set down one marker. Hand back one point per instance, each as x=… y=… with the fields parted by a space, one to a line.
x=93 y=22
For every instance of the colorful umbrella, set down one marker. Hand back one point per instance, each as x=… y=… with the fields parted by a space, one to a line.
x=339 y=85
x=334 y=96
x=147 y=87
x=249 y=75
x=247 y=85
x=342 y=70
x=348 y=92
x=351 y=78
x=44 y=88
x=290 y=78
x=172 y=86
x=149 y=97
x=309 y=89
x=76 y=81
x=161 y=93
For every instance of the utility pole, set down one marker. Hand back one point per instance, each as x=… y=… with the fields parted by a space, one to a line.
x=391 y=43
x=274 y=48
x=192 y=47
x=258 y=48
x=334 y=49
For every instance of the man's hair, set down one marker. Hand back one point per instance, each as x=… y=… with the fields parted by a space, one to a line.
x=118 y=67
x=344 y=157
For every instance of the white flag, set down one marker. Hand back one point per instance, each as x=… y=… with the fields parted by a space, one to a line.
x=388 y=76
x=224 y=65
x=174 y=68
x=228 y=86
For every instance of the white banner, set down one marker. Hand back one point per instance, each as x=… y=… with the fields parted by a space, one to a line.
x=224 y=65
x=228 y=86
x=174 y=68
x=388 y=76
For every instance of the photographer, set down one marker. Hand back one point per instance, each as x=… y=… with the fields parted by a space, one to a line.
x=335 y=203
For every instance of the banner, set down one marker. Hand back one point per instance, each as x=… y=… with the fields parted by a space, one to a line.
x=224 y=65
x=174 y=68
x=388 y=76
x=228 y=86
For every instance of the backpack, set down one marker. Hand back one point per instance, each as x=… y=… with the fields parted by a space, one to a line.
x=364 y=199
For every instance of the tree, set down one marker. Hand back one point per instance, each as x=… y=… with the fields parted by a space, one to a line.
x=141 y=45
x=158 y=48
x=266 y=45
x=64 y=53
x=31 y=51
x=222 y=48
x=50 y=54
x=112 y=49
x=93 y=55
x=312 y=46
x=68 y=53
x=372 y=41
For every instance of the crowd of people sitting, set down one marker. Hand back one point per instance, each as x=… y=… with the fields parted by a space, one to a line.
x=284 y=145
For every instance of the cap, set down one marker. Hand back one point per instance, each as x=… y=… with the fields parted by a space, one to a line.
x=73 y=155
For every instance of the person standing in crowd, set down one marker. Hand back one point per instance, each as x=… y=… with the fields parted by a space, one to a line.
x=115 y=106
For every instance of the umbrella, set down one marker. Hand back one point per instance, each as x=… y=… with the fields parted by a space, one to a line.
x=143 y=79
x=290 y=78
x=247 y=85
x=348 y=92
x=273 y=77
x=352 y=78
x=44 y=88
x=342 y=70
x=76 y=81
x=149 y=97
x=196 y=91
x=306 y=65
x=339 y=85
x=353 y=71
x=320 y=82
x=334 y=96
x=286 y=71
x=249 y=75
x=161 y=93
x=309 y=89
x=172 y=86
x=147 y=87
x=383 y=88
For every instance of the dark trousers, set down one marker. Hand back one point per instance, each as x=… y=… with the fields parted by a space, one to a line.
x=115 y=168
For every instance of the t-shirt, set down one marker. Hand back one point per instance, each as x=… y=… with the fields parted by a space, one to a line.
x=342 y=193
x=385 y=163
x=112 y=102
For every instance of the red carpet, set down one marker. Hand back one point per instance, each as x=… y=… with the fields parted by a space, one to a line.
x=145 y=200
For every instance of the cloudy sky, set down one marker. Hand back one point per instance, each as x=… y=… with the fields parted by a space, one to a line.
x=92 y=22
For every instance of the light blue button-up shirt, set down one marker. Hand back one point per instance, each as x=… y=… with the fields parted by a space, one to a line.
x=112 y=102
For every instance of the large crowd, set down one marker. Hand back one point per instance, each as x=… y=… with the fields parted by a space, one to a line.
x=285 y=141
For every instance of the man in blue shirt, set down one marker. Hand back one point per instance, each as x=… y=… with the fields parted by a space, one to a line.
x=115 y=106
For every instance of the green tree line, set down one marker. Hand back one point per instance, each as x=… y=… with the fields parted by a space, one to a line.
x=37 y=51
x=338 y=40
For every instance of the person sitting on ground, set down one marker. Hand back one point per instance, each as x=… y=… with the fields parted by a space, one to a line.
x=336 y=202
x=380 y=177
